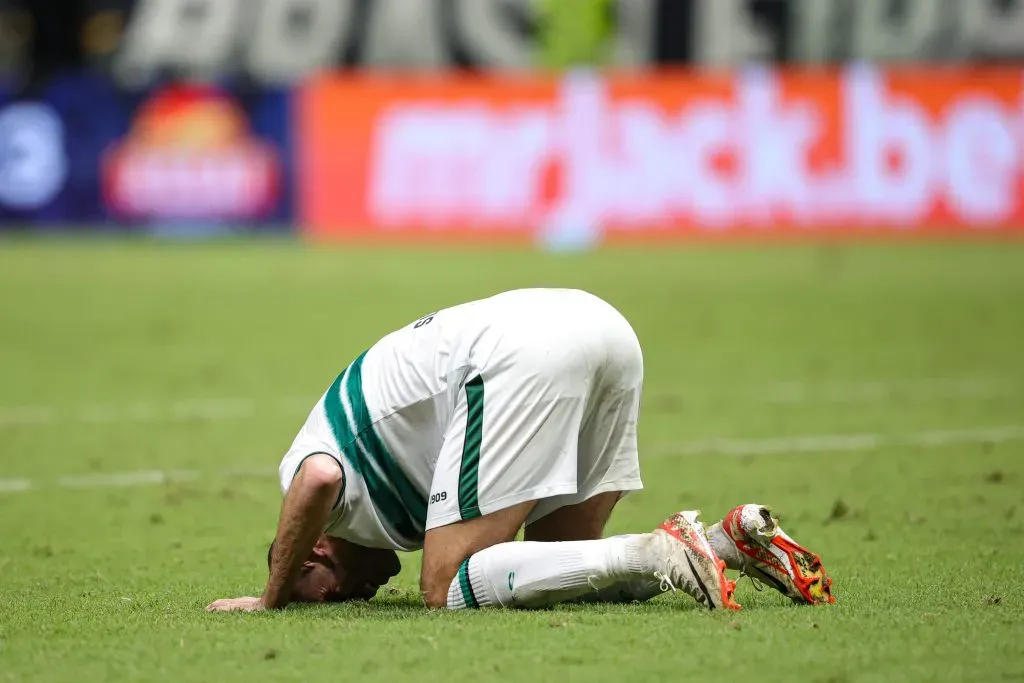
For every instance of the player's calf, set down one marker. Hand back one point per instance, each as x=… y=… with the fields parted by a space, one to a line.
x=445 y=549
x=538 y=574
x=583 y=521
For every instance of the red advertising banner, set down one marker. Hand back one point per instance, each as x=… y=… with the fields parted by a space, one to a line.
x=922 y=151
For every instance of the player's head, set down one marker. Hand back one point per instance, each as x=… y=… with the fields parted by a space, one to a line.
x=337 y=570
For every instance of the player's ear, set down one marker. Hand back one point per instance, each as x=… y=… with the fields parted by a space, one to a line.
x=322 y=548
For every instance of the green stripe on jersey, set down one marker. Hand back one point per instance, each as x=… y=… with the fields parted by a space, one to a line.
x=393 y=495
x=466 y=586
x=414 y=502
x=469 y=472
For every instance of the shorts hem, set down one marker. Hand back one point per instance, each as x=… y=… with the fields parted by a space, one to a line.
x=623 y=485
x=539 y=493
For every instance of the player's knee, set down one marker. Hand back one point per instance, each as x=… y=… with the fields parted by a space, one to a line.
x=434 y=587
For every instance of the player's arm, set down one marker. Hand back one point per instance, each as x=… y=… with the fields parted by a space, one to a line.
x=305 y=511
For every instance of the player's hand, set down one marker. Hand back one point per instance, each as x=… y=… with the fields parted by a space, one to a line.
x=237 y=605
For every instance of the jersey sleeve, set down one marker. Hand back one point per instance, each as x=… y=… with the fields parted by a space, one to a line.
x=314 y=438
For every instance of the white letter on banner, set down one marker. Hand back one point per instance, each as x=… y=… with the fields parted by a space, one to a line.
x=33 y=163
x=878 y=35
x=405 y=153
x=580 y=145
x=890 y=147
x=429 y=164
x=195 y=35
x=724 y=33
x=449 y=178
x=513 y=158
x=405 y=33
x=296 y=37
x=982 y=161
x=491 y=40
x=706 y=130
x=776 y=140
x=643 y=177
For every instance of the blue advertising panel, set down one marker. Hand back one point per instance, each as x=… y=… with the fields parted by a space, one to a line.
x=177 y=157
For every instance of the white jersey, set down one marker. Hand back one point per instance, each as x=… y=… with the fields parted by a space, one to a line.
x=386 y=419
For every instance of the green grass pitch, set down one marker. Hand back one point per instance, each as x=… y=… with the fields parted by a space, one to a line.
x=873 y=394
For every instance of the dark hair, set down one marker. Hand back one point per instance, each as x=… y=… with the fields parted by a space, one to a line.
x=270 y=553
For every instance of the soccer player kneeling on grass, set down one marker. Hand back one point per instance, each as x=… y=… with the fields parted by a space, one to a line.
x=456 y=431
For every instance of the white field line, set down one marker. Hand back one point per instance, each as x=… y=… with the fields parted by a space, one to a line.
x=206 y=409
x=785 y=392
x=139 y=478
x=129 y=479
x=839 y=443
x=14 y=485
x=881 y=390
x=776 y=445
x=18 y=417
x=199 y=409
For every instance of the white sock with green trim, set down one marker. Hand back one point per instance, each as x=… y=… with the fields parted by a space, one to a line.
x=636 y=590
x=532 y=574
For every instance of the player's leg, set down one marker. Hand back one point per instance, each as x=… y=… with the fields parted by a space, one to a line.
x=562 y=559
x=586 y=521
x=510 y=442
x=608 y=459
x=514 y=439
x=535 y=574
x=507 y=447
x=500 y=572
x=445 y=548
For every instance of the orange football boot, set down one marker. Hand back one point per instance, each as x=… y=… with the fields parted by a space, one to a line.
x=690 y=563
x=750 y=540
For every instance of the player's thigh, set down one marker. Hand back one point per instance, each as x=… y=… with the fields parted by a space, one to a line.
x=608 y=463
x=513 y=437
x=609 y=456
x=447 y=547
x=584 y=521
x=512 y=441
x=608 y=466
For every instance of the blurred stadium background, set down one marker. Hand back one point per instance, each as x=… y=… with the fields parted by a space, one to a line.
x=560 y=122
x=811 y=210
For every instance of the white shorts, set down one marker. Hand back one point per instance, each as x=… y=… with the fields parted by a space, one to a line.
x=552 y=417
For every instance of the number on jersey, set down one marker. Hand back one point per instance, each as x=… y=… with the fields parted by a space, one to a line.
x=425 y=320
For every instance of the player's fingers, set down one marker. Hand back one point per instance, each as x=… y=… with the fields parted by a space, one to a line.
x=226 y=605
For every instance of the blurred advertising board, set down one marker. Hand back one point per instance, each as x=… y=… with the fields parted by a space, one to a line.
x=585 y=157
x=196 y=153
x=177 y=157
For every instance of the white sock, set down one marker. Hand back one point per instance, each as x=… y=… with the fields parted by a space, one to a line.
x=638 y=590
x=532 y=574
x=635 y=589
x=725 y=547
